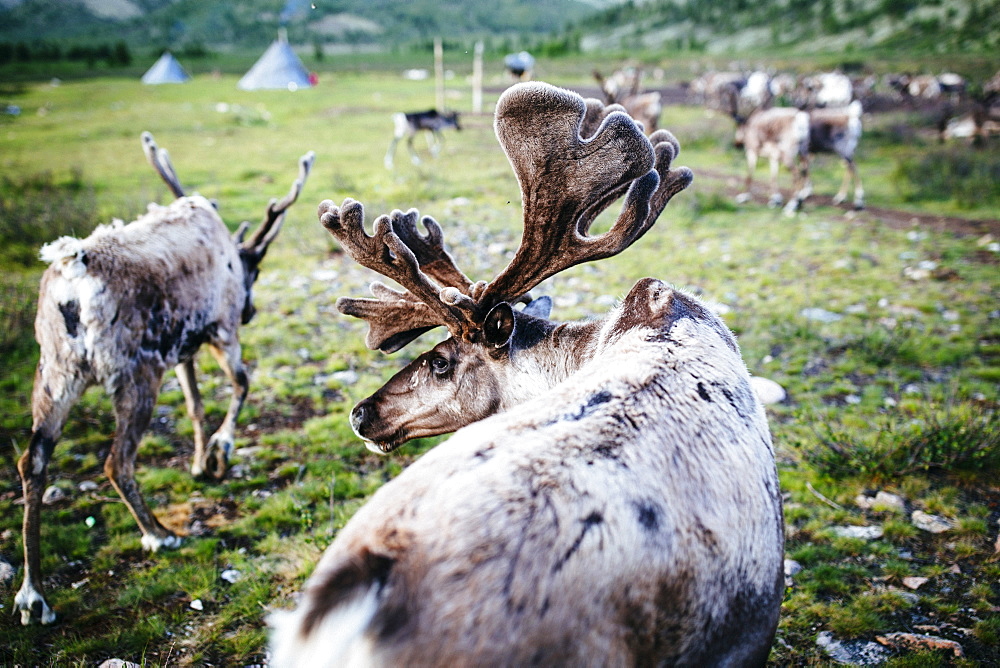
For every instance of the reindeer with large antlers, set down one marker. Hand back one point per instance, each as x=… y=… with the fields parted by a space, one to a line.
x=118 y=309
x=625 y=510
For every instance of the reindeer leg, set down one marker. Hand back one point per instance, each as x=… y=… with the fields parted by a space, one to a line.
x=859 y=191
x=844 y=182
x=747 y=195
x=390 y=155
x=776 y=197
x=801 y=184
x=435 y=145
x=216 y=459
x=414 y=158
x=195 y=410
x=52 y=398
x=133 y=403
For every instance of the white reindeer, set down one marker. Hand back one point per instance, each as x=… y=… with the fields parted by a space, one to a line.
x=118 y=309
x=627 y=512
x=787 y=136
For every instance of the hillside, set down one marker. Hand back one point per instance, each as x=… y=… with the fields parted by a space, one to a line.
x=727 y=26
x=216 y=24
x=710 y=26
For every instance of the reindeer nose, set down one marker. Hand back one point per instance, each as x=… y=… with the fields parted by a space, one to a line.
x=362 y=415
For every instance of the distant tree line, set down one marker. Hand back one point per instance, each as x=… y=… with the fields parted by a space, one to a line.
x=115 y=55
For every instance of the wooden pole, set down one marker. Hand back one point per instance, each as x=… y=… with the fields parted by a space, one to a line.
x=438 y=74
x=477 y=79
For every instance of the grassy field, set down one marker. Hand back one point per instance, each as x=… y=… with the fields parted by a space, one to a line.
x=882 y=325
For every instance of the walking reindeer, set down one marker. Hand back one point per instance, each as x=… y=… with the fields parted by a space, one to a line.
x=618 y=505
x=409 y=124
x=118 y=309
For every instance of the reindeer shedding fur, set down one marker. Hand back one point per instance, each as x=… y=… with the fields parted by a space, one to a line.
x=629 y=516
x=623 y=510
x=118 y=309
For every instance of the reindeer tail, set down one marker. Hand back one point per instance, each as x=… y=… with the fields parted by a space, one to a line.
x=329 y=627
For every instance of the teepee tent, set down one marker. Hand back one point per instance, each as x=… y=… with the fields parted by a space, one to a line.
x=165 y=70
x=279 y=67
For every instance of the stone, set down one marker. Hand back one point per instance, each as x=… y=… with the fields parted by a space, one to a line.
x=881 y=501
x=864 y=533
x=767 y=391
x=854 y=653
x=916 y=641
x=118 y=663
x=820 y=315
x=231 y=575
x=87 y=486
x=932 y=523
x=914 y=582
x=53 y=494
x=7 y=571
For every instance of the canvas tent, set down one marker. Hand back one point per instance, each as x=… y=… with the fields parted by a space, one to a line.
x=165 y=70
x=279 y=67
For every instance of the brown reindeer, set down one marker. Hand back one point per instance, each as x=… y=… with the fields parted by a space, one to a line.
x=623 y=88
x=118 y=309
x=626 y=512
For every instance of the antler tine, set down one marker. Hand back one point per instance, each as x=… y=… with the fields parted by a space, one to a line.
x=567 y=181
x=160 y=160
x=275 y=215
x=429 y=250
x=393 y=316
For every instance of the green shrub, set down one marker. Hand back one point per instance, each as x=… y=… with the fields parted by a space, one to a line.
x=970 y=178
x=35 y=209
x=961 y=438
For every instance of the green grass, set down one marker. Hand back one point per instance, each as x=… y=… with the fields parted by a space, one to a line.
x=904 y=384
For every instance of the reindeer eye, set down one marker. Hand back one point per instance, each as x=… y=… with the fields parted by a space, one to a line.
x=439 y=365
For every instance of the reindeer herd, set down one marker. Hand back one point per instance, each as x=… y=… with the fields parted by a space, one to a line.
x=609 y=496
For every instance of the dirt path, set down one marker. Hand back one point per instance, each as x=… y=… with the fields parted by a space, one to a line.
x=895 y=218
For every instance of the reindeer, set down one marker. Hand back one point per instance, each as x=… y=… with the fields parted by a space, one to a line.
x=409 y=124
x=519 y=65
x=567 y=530
x=787 y=136
x=119 y=308
x=622 y=87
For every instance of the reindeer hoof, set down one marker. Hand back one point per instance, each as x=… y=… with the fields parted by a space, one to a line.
x=215 y=462
x=153 y=543
x=33 y=607
x=775 y=201
x=743 y=198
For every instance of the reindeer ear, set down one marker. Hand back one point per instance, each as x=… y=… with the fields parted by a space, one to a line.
x=499 y=325
x=540 y=308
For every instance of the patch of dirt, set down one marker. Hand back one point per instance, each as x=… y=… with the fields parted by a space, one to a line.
x=894 y=218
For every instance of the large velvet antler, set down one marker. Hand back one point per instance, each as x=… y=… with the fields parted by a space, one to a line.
x=573 y=158
x=567 y=181
x=395 y=317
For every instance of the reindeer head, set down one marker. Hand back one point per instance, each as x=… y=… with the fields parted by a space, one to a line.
x=252 y=250
x=572 y=158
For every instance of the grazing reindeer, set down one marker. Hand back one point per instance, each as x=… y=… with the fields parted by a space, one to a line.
x=780 y=134
x=118 y=309
x=622 y=87
x=788 y=136
x=629 y=513
x=409 y=124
